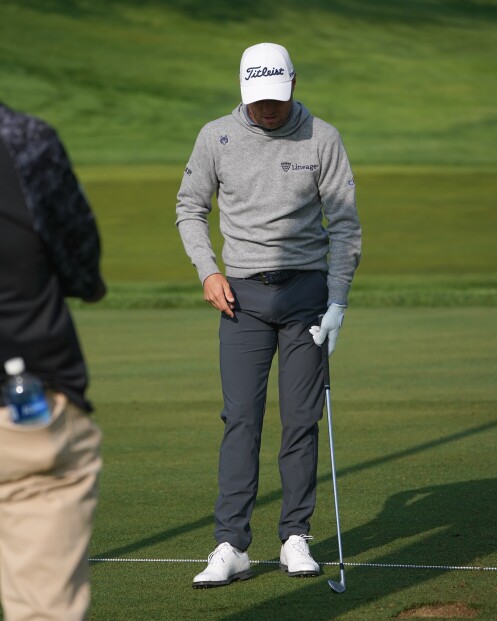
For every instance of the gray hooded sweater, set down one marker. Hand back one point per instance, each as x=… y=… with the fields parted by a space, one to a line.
x=273 y=188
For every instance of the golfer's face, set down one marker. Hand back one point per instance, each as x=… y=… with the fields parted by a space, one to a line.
x=270 y=113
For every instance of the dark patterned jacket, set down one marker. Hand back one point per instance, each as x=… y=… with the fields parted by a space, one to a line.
x=49 y=249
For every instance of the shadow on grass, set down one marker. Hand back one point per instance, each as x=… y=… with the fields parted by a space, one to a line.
x=452 y=525
x=382 y=526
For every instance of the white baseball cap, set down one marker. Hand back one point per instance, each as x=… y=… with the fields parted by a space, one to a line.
x=266 y=72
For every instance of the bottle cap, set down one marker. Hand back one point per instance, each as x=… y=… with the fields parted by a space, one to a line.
x=14 y=366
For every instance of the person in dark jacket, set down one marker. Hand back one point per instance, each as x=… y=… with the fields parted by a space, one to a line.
x=49 y=250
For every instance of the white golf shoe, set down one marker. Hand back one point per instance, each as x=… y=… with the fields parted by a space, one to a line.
x=225 y=564
x=295 y=557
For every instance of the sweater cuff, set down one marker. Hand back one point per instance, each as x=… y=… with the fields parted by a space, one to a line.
x=337 y=293
x=207 y=269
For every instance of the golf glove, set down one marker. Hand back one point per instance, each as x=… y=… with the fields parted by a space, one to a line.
x=330 y=327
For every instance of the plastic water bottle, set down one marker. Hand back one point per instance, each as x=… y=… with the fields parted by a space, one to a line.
x=24 y=395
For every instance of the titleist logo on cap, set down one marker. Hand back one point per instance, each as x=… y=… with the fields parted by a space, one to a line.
x=257 y=72
x=266 y=72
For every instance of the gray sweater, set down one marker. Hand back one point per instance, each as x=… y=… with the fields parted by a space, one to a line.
x=273 y=187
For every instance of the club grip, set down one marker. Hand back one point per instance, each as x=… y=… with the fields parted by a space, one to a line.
x=325 y=359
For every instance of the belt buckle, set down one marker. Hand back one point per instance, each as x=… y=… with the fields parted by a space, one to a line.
x=264 y=278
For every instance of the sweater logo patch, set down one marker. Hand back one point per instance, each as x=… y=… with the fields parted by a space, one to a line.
x=223 y=140
x=288 y=165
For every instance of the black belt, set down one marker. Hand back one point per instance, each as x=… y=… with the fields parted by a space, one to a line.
x=273 y=278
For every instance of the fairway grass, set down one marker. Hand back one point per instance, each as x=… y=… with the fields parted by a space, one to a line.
x=409 y=85
x=414 y=398
x=429 y=237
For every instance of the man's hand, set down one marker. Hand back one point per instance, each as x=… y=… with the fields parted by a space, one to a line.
x=217 y=292
x=330 y=327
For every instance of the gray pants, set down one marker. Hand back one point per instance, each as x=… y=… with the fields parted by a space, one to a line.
x=270 y=318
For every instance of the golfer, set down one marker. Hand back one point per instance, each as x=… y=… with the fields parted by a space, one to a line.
x=276 y=170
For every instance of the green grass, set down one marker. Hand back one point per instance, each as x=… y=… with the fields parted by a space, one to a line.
x=410 y=85
x=414 y=422
x=126 y=81
x=429 y=237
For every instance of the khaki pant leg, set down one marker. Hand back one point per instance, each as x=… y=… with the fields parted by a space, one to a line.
x=48 y=495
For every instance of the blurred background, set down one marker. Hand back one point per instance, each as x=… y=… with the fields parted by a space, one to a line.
x=410 y=85
x=132 y=81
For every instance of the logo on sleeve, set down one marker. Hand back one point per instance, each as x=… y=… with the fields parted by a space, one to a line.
x=188 y=171
x=224 y=140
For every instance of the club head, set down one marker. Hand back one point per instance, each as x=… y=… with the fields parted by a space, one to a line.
x=338 y=587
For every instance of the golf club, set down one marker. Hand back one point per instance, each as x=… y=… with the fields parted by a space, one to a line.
x=338 y=587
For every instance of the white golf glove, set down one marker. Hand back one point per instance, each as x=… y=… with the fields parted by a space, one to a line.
x=330 y=327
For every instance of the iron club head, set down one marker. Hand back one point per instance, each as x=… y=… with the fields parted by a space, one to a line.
x=338 y=587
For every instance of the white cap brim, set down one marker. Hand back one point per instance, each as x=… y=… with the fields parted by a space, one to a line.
x=281 y=91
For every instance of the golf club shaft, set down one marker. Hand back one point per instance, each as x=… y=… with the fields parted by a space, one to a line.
x=326 y=382
x=333 y=474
